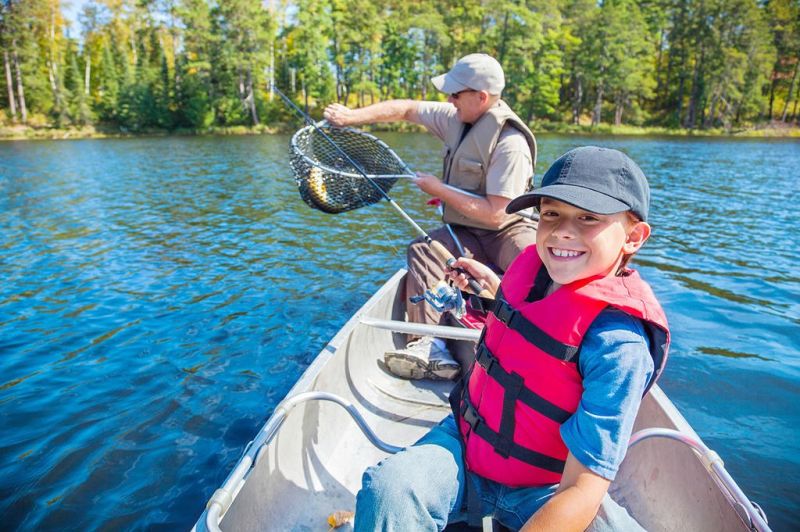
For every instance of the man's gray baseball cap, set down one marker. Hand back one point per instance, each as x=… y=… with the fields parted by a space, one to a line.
x=599 y=180
x=478 y=72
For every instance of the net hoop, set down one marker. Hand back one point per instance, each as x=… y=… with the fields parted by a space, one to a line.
x=327 y=181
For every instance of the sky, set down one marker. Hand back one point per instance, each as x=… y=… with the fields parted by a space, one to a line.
x=70 y=9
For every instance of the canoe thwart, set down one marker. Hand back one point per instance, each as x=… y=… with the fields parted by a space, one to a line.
x=423 y=329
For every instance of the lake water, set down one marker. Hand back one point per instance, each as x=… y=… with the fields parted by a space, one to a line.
x=160 y=296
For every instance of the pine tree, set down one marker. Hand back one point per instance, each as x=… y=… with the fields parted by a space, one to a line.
x=77 y=99
x=193 y=83
x=308 y=50
x=245 y=28
x=108 y=85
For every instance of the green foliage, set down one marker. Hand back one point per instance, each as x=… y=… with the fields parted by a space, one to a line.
x=307 y=51
x=74 y=84
x=399 y=52
x=203 y=64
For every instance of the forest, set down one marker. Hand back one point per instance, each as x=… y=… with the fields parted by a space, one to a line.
x=194 y=65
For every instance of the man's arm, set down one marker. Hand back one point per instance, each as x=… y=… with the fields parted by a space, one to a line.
x=388 y=111
x=489 y=210
x=507 y=177
x=575 y=502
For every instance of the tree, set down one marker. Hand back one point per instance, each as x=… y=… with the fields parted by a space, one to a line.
x=6 y=40
x=245 y=28
x=784 y=21
x=307 y=44
x=615 y=57
x=356 y=45
x=90 y=20
x=193 y=85
x=197 y=63
x=75 y=93
x=399 y=51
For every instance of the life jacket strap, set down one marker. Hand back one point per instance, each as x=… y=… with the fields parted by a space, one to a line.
x=473 y=500
x=479 y=427
x=513 y=319
x=510 y=381
x=508 y=420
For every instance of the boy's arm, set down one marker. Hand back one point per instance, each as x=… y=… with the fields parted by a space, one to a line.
x=616 y=367
x=575 y=502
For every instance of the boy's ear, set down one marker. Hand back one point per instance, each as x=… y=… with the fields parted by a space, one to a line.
x=637 y=236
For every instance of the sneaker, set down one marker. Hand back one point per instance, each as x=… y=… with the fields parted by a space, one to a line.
x=425 y=358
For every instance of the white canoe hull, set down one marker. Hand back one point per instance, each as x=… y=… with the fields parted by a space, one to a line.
x=313 y=466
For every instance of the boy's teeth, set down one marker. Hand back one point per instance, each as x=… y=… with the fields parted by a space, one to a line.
x=565 y=252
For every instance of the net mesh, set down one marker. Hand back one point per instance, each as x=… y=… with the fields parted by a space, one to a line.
x=328 y=181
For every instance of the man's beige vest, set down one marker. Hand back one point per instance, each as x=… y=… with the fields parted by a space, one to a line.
x=466 y=161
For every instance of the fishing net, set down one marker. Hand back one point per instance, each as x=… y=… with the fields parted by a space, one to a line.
x=328 y=181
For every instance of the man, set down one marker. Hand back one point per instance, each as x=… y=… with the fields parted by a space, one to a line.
x=490 y=154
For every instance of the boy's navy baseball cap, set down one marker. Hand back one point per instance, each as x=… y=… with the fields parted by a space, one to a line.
x=599 y=180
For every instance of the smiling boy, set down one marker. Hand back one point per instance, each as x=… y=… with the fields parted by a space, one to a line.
x=542 y=420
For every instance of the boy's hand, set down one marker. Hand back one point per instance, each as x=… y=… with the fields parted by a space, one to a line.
x=575 y=503
x=478 y=271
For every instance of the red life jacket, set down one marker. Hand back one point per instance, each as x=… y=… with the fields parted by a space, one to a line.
x=525 y=381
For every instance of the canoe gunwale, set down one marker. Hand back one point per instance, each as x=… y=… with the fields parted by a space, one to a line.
x=753 y=516
x=223 y=497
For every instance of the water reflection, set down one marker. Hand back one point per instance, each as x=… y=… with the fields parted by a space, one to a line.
x=727 y=353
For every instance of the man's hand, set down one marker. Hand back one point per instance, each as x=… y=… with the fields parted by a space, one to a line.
x=428 y=183
x=338 y=115
x=388 y=111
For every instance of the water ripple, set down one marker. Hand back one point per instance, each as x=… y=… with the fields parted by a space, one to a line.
x=161 y=295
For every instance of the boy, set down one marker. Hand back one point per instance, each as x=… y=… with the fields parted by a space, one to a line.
x=542 y=420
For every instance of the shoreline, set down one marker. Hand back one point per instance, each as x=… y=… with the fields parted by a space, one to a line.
x=21 y=133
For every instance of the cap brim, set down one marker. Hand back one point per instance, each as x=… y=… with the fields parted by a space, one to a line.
x=583 y=198
x=446 y=84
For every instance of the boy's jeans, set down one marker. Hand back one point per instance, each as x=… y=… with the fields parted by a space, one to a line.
x=422 y=488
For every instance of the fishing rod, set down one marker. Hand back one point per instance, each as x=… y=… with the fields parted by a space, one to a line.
x=442 y=252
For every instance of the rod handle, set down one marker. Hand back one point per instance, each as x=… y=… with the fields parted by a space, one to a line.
x=444 y=254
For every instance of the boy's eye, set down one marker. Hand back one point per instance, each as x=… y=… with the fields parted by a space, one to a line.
x=589 y=218
x=548 y=214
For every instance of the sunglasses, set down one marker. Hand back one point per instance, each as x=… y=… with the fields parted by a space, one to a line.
x=455 y=95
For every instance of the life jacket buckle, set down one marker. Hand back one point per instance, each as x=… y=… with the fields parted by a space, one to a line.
x=471 y=416
x=504 y=312
x=485 y=358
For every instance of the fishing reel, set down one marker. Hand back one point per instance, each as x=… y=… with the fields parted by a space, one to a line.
x=444 y=297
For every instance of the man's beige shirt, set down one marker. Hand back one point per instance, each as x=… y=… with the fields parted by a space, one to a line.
x=510 y=168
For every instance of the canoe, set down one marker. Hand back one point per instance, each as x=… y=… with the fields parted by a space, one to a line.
x=307 y=460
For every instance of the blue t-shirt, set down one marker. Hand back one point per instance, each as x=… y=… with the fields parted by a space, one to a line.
x=616 y=366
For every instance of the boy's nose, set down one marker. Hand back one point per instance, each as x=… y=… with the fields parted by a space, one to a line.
x=564 y=230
